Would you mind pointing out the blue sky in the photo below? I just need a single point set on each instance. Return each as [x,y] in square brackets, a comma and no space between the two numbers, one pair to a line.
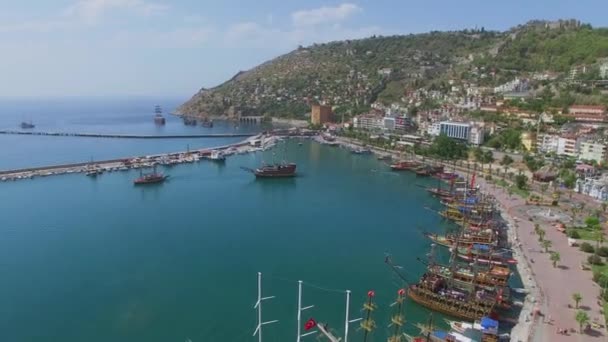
[172,48]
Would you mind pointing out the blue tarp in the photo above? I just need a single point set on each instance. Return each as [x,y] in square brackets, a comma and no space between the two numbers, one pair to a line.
[440,334]
[489,323]
[481,247]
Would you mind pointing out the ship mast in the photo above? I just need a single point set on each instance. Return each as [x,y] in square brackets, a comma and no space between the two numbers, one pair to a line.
[368,324]
[258,306]
[397,320]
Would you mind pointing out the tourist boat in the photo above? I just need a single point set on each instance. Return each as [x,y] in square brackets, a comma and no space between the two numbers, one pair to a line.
[276,170]
[423,171]
[206,122]
[94,172]
[449,240]
[27,125]
[150,178]
[189,121]
[435,293]
[217,156]
[484,255]
[446,175]
[159,119]
[361,151]
[487,277]
[405,165]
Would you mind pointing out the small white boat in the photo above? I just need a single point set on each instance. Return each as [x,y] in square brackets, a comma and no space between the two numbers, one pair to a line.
[217,156]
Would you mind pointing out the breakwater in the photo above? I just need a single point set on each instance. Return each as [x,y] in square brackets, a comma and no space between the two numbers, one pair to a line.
[129,136]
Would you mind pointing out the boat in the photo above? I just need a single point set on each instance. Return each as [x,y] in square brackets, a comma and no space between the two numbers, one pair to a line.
[150,178]
[361,151]
[276,170]
[217,156]
[449,240]
[159,119]
[188,121]
[94,172]
[405,165]
[27,125]
[206,122]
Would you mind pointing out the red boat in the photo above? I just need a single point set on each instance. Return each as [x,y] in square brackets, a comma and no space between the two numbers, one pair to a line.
[150,178]
[405,165]
[276,170]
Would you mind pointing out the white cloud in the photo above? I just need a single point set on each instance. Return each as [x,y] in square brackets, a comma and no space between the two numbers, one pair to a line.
[90,11]
[324,15]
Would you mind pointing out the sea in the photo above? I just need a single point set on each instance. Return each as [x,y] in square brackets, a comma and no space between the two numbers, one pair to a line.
[87,259]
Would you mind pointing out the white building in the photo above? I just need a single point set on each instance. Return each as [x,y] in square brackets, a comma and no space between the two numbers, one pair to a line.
[477,134]
[604,70]
[369,122]
[546,143]
[434,129]
[596,188]
[567,146]
[592,151]
[456,130]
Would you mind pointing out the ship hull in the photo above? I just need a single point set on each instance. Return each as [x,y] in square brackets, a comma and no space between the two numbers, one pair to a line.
[276,171]
[448,306]
[149,181]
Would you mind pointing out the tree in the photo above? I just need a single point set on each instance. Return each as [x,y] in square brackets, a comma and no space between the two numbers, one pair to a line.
[555,258]
[510,192]
[582,319]
[592,222]
[543,188]
[541,235]
[546,244]
[488,158]
[577,297]
[521,181]
[536,228]
[598,236]
[604,206]
[506,160]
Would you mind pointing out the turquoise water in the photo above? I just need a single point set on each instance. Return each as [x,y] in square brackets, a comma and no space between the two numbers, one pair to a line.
[101,260]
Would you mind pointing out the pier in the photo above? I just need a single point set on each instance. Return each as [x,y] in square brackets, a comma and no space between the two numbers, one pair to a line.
[129,136]
[127,163]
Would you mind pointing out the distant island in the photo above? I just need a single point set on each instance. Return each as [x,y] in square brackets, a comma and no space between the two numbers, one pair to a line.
[352,75]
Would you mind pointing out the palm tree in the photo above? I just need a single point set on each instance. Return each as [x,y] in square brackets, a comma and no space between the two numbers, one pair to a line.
[536,228]
[598,236]
[582,318]
[510,192]
[543,188]
[546,244]
[555,258]
[576,297]
[541,234]
[604,206]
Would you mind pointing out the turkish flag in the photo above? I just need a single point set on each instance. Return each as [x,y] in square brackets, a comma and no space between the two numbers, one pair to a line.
[310,324]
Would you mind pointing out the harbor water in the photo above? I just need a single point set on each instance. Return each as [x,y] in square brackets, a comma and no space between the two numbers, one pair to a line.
[97,259]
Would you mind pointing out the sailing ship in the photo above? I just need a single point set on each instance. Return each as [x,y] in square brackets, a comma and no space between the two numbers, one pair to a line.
[150,178]
[159,119]
[188,121]
[206,122]
[276,170]
[27,125]
[405,165]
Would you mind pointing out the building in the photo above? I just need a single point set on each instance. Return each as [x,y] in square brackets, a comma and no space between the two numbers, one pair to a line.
[596,188]
[320,114]
[587,113]
[604,70]
[547,143]
[434,129]
[477,135]
[528,140]
[456,130]
[567,146]
[369,122]
[593,151]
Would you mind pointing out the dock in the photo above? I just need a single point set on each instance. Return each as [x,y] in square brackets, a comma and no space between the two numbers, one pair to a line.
[128,163]
[128,136]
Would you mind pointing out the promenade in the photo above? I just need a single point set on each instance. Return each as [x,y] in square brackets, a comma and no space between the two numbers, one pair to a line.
[552,288]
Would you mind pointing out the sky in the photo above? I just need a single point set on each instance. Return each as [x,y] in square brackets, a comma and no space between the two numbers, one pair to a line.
[62,48]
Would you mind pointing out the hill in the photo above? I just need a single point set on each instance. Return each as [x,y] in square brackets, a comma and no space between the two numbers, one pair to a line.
[352,74]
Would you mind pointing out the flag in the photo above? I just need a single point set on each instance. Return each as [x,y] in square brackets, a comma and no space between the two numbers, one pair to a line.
[371,293]
[310,324]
